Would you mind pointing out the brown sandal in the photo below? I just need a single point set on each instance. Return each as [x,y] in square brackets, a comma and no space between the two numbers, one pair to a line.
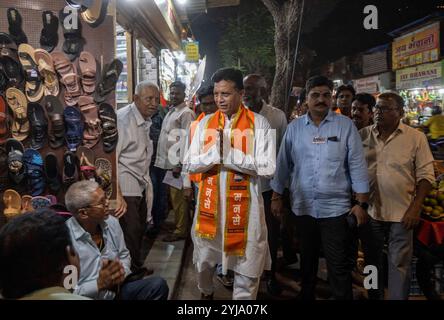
[92,130]
[19,106]
[68,77]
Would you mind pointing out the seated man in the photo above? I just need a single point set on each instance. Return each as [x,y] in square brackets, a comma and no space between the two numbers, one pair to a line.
[104,259]
[35,248]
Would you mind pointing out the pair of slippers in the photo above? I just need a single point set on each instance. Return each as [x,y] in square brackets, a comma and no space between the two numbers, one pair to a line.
[40,74]
[70,78]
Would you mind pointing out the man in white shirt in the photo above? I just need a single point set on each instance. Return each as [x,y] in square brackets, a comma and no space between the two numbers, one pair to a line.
[232,148]
[255,88]
[134,151]
[170,151]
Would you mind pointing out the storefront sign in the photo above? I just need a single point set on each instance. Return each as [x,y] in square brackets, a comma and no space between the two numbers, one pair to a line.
[423,76]
[192,51]
[417,47]
[368,85]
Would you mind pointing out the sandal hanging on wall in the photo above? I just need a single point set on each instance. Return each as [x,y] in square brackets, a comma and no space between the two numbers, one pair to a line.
[15,22]
[49,36]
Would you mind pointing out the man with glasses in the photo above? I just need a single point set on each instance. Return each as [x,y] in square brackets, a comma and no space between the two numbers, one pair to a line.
[104,259]
[400,168]
[322,160]
[134,152]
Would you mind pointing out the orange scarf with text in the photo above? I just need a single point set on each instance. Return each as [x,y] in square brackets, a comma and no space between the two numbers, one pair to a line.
[195,177]
[237,187]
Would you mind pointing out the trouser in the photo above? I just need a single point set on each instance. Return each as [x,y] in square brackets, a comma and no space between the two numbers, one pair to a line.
[181,214]
[273,228]
[152,288]
[133,225]
[334,236]
[399,256]
[160,200]
[244,288]
[427,258]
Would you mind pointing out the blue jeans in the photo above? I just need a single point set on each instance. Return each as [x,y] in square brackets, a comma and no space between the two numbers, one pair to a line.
[160,195]
[152,288]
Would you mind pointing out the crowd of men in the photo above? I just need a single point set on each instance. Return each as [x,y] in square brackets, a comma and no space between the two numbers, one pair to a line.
[346,171]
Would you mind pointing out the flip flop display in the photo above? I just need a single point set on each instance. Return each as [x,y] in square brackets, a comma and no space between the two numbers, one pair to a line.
[34,171]
[39,125]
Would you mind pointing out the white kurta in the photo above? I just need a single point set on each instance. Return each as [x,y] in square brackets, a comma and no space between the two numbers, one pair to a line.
[262,164]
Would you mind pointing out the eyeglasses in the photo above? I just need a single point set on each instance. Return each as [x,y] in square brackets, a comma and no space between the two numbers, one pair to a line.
[101,205]
[384,109]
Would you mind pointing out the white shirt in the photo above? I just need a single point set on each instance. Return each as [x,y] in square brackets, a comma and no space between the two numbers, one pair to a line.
[278,121]
[134,151]
[179,117]
[395,167]
[261,164]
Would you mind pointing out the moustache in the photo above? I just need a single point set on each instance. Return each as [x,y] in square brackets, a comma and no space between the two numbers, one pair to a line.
[321,104]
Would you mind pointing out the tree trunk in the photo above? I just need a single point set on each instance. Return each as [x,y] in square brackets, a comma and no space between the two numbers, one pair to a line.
[286,16]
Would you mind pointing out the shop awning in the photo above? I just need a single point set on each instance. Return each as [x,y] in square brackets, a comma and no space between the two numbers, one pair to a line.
[155,23]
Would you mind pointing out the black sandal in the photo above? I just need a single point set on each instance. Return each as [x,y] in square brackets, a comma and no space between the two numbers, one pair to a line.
[15,26]
[108,81]
[49,37]
[74,42]
[108,119]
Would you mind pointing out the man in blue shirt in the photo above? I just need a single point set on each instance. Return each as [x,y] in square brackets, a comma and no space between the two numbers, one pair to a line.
[322,161]
[104,258]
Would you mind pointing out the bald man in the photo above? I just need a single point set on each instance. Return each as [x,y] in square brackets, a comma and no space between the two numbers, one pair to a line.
[255,88]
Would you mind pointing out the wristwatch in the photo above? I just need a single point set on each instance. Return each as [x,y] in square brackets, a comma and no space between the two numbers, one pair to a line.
[363,205]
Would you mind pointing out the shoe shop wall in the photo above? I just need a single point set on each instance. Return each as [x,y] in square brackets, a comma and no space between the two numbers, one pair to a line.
[99,41]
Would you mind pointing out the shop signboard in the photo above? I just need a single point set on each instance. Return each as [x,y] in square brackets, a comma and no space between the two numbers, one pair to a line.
[420,46]
[423,76]
[192,51]
[368,85]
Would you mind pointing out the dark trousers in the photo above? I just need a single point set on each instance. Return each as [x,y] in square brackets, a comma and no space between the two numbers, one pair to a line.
[133,225]
[160,196]
[334,236]
[152,288]
[273,227]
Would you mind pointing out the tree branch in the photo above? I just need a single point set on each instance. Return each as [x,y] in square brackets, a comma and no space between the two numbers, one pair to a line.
[272,6]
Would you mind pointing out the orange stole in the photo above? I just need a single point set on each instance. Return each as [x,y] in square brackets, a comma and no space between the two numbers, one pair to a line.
[238,187]
[195,177]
